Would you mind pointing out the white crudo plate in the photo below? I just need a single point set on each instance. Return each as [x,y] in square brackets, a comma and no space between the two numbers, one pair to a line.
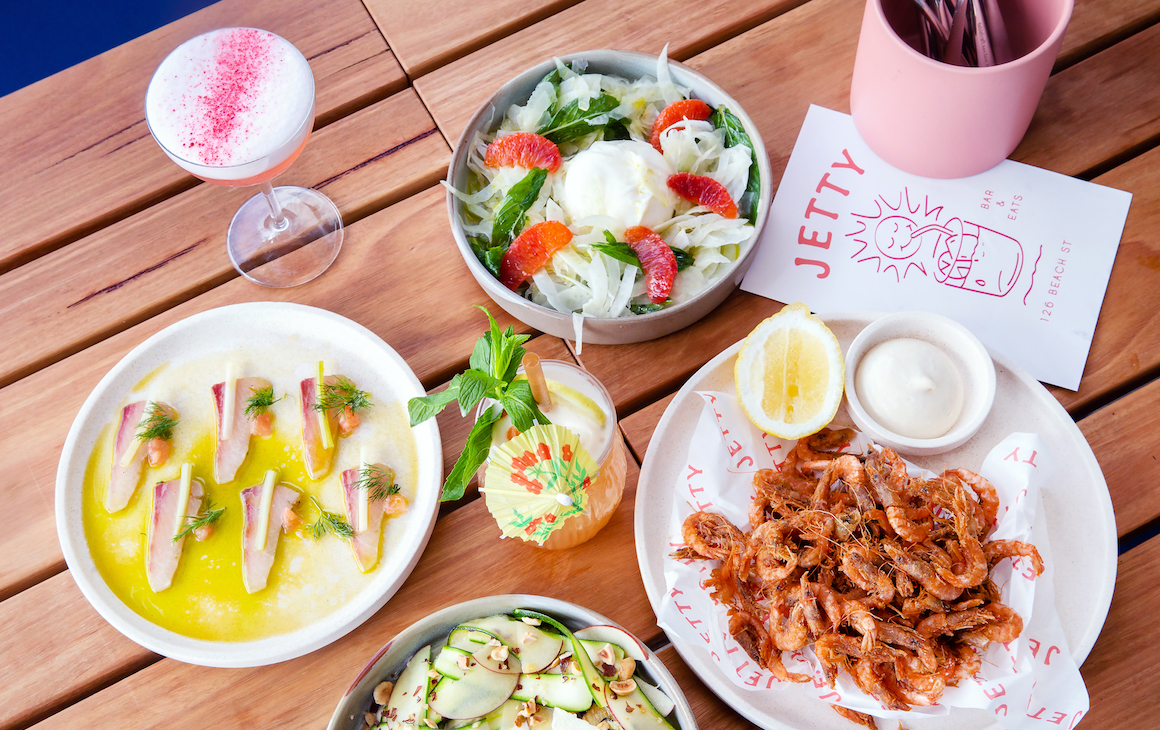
[363,356]
[1077,511]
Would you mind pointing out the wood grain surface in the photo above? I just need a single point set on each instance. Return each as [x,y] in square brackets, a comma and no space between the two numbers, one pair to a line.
[105,282]
[1120,435]
[1123,671]
[453,92]
[302,693]
[1126,347]
[441,31]
[68,168]
[1097,24]
[77,651]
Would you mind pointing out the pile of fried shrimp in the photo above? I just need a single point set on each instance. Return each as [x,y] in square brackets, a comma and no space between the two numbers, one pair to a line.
[887,576]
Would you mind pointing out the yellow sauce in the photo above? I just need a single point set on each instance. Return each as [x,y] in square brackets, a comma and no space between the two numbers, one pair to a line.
[207,599]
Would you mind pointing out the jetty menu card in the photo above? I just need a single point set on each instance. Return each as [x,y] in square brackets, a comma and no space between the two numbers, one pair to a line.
[1019,255]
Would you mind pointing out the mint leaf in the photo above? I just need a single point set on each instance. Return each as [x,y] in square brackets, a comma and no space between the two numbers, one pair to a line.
[521,405]
[473,456]
[616,129]
[420,409]
[474,386]
[481,355]
[650,307]
[619,251]
[572,122]
[735,134]
[623,252]
[511,216]
[488,255]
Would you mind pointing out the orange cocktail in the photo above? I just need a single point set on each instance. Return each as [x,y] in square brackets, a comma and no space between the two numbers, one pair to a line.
[582,405]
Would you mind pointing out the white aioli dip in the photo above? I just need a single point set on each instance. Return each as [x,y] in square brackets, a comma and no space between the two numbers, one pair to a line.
[910,387]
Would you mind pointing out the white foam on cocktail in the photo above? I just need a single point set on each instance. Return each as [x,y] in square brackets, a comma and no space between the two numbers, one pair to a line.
[233,100]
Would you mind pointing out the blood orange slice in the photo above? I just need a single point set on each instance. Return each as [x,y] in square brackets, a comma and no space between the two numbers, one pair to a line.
[704,191]
[657,260]
[675,112]
[531,250]
[523,149]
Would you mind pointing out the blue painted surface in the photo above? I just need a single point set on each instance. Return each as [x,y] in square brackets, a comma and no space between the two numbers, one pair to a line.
[41,37]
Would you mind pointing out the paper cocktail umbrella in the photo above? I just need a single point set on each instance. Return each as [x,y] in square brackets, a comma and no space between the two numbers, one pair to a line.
[538,480]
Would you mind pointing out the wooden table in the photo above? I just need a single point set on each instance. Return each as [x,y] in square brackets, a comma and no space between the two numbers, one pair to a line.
[104,241]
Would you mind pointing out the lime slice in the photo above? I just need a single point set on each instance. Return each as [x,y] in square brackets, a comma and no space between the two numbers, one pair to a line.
[574,398]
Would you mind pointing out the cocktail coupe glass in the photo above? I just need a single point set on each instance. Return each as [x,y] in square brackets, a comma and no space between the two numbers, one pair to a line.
[235,107]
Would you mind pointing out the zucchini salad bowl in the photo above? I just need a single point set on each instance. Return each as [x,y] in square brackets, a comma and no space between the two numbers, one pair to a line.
[609,196]
[514,661]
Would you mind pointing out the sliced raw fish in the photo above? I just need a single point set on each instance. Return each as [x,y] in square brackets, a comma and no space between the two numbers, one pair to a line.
[316,456]
[163,552]
[229,454]
[123,480]
[365,542]
[256,563]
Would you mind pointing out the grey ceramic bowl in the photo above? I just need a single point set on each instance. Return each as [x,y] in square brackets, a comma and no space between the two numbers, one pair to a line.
[391,659]
[600,331]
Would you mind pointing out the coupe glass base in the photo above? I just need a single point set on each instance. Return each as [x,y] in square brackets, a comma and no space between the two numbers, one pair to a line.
[301,249]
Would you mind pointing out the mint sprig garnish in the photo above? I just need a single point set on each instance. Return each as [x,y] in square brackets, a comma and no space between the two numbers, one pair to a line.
[493,366]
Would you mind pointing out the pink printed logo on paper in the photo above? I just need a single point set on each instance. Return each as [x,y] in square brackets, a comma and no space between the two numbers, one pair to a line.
[907,237]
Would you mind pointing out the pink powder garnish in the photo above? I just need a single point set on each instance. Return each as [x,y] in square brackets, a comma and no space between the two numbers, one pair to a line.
[233,82]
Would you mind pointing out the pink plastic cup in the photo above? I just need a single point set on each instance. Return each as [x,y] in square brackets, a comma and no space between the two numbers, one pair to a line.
[938,120]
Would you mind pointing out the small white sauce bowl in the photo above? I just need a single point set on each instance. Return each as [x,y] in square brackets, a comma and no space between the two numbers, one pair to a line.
[965,350]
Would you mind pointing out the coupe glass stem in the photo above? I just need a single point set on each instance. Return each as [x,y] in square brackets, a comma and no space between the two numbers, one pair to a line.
[277,219]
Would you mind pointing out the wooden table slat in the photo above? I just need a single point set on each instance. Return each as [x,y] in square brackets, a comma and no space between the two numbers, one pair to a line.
[435,33]
[465,559]
[1126,346]
[405,253]
[1122,673]
[68,168]
[76,651]
[1096,24]
[95,287]
[453,92]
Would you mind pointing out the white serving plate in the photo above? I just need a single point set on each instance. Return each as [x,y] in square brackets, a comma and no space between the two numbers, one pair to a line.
[364,357]
[1077,510]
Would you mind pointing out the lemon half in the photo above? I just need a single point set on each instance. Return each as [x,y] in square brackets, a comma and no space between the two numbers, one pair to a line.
[790,374]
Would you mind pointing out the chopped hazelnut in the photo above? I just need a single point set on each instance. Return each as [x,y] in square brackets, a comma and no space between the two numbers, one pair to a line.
[499,653]
[530,621]
[370,719]
[383,692]
[622,686]
[606,654]
[627,668]
[528,638]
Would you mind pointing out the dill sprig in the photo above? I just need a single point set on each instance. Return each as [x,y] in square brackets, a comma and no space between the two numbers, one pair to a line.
[380,481]
[158,423]
[341,395]
[260,401]
[328,522]
[206,516]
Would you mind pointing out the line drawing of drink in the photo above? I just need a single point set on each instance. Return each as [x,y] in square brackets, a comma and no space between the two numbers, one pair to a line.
[235,107]
[958,253]
[976,258]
